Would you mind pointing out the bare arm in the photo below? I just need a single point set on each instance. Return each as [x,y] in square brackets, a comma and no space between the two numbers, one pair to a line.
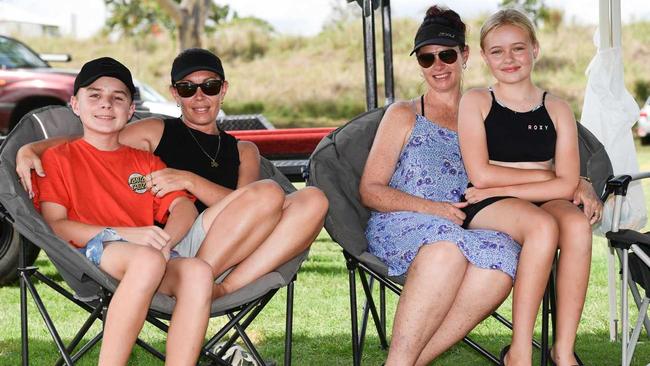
[249,163]
[392,134]
[206,191]
[28,158]
[567,162]
[143,135]
[474,106]
[182,214]
[78,234]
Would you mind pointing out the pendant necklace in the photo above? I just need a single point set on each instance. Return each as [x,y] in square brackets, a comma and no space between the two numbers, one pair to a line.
[213,160]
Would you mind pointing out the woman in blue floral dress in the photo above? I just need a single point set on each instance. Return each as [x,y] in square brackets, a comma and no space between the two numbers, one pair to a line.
[413,182]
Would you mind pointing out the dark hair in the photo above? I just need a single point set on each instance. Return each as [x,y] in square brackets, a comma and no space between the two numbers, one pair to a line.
[446,17]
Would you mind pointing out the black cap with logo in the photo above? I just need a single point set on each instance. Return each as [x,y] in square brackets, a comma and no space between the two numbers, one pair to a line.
[195,59]
[103,66]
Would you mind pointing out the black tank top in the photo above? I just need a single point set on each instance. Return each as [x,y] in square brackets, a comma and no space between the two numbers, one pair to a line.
[519,136]
[179,150]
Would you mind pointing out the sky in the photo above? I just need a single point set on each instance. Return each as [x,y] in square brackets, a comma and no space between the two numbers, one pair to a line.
[306,17]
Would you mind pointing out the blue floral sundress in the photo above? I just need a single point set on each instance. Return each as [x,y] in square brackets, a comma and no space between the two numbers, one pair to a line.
[430,166]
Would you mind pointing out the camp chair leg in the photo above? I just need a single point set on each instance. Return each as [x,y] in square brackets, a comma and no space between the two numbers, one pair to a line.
[356,356]
[364,317]
[624,311]
[545,315]
[24,336]
[96,313]
[382,308]
[288,330]
[639,301]
[553,303]
[643,309]
[147,347]
[250,311]
[476,347]
[611,286]
[46,318]
[373,309]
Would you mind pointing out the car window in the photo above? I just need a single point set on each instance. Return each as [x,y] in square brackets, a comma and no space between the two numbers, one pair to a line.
[16,55]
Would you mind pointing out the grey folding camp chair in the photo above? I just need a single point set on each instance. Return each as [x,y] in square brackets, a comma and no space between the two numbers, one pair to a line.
[336,167]
[633,250]
[92,287]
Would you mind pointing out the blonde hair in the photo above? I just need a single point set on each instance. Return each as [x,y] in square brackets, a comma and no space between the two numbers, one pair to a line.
[508,17]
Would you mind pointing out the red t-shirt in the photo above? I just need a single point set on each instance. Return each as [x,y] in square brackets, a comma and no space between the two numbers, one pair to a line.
[102,187]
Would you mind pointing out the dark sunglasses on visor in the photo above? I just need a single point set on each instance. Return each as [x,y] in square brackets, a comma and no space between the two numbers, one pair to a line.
[447,56]
[187,89]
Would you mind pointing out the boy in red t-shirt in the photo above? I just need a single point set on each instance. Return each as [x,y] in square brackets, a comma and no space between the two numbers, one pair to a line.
[95,197]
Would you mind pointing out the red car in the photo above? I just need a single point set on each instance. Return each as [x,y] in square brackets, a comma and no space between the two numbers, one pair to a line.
[28,82]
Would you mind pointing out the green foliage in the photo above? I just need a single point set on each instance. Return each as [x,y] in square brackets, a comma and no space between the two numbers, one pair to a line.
[136,17]
[139,17]
[533,8]
[641,90]
[242,38]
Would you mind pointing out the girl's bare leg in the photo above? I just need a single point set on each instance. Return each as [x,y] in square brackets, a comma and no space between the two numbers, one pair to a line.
[537,232]
[140,269]
[302,219]
[480,293]
[572,275]
[432,282]
[189,280]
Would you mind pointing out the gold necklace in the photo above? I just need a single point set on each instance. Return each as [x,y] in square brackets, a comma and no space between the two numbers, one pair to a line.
[213,161]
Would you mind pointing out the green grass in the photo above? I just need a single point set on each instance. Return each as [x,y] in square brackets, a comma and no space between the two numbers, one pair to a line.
[321,318]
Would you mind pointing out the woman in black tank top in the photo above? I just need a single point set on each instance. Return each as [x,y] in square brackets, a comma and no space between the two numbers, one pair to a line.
[520,147]
[255,226]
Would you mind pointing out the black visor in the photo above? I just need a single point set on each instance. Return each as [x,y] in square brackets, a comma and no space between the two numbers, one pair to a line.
[433,33]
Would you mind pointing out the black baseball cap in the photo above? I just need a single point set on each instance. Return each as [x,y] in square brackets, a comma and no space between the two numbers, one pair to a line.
[103,66]
[436,33]
[195,59]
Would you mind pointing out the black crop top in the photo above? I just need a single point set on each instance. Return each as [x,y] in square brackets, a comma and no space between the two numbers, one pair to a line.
[180,151]
[519,136]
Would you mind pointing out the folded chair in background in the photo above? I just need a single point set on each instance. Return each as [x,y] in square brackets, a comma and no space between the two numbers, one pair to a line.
[92,287]
[336,167]
[633,250]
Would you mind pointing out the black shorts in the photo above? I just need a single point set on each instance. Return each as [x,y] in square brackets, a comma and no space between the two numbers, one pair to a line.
[471,210]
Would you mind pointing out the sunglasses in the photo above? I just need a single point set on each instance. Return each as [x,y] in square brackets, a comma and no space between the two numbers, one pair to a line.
[187,89]
[447,56]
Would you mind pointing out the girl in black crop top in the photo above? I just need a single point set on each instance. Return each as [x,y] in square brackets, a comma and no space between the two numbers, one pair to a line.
[520,147]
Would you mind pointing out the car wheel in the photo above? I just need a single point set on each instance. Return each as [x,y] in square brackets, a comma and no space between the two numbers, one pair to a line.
[10,241]
[645,140]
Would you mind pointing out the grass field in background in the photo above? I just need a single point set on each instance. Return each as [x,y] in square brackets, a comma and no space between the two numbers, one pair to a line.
[321,318]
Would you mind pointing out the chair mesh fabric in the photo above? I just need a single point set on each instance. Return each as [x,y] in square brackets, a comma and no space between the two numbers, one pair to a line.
[81,275]
[594,162]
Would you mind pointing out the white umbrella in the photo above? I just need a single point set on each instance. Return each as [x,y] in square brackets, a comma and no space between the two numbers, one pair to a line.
[609,111]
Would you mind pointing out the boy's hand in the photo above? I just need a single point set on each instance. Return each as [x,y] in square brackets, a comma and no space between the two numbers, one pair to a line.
[152,236]
[26,160]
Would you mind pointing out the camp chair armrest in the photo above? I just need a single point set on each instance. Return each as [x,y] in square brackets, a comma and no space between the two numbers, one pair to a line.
[623,238]
[618,184]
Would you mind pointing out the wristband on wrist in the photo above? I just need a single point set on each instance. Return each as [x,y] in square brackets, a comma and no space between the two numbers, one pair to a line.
[585,178]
